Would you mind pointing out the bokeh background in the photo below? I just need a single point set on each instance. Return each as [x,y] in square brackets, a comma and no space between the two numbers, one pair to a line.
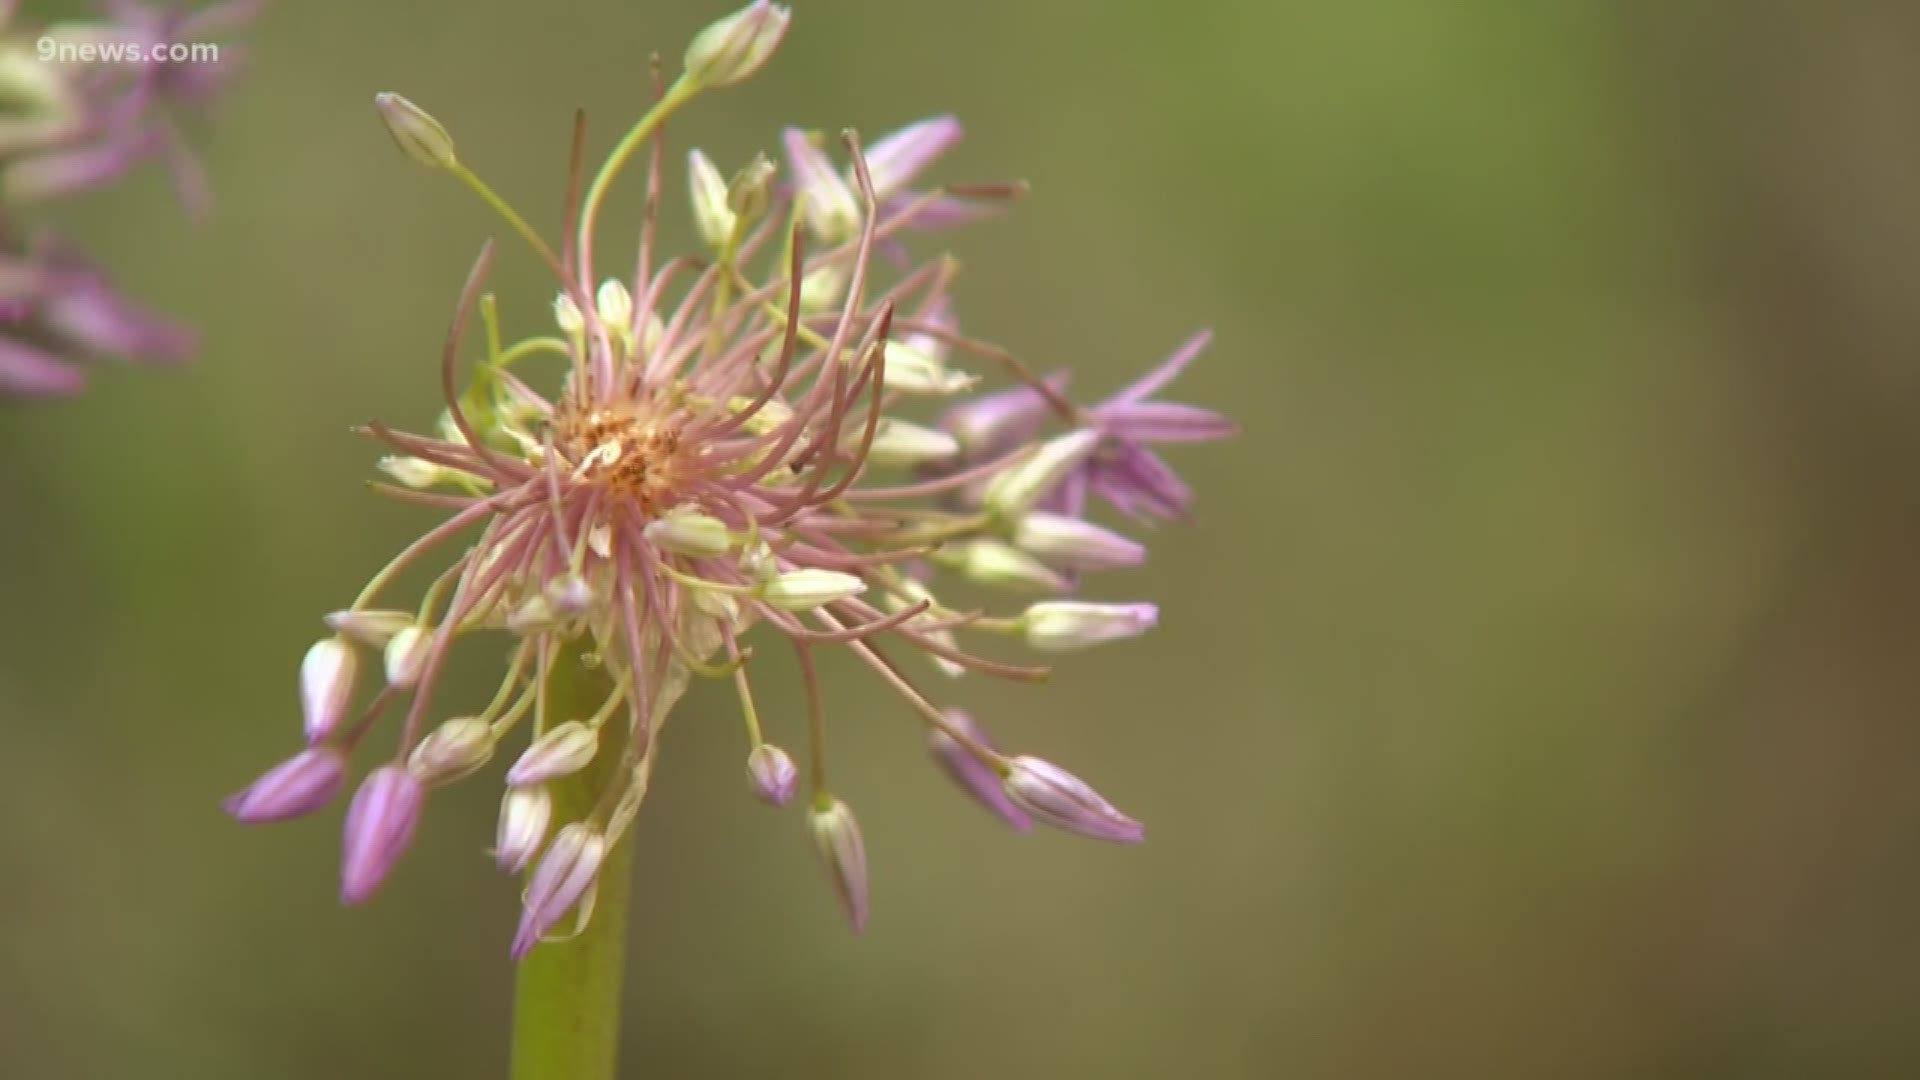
[1537,689]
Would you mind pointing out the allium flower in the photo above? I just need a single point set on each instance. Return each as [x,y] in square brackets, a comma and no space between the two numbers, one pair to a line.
[725,460]
[81,104]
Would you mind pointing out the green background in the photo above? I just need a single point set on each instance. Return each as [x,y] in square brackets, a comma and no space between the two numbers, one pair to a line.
[1536,691]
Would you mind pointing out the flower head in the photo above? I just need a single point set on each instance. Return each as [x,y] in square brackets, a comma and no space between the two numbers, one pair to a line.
[721,462]
[87,102]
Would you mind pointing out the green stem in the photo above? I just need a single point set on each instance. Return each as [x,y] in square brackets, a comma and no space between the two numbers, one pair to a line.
[566,1001]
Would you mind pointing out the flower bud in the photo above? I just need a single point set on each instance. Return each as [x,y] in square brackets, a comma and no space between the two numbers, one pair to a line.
[566,315]
[615,306]
[370,626]
[564,749]
[913,371]
[1003,566]
[1014,491]
[413,472]
[822,288]
[895,159]
[772,775]
[525,813]
[326,685]
[451,751]
[804,590]
[750,190]
[975,777]
[711,215]
[836,839]
[992,424]
[1058,798]
[406,656]
[418,135]
[1074,544]
[735,47]
[380,823]
[897,442]
[569,595]
[299,785]
[688,532]
[1065,625]
[831,208]
[564,879]
[758,562]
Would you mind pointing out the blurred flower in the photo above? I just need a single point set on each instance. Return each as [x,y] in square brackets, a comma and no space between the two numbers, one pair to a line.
[85,102]
[726,454]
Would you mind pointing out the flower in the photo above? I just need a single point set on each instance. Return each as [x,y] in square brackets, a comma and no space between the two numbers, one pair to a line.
[723,465]
[72,126]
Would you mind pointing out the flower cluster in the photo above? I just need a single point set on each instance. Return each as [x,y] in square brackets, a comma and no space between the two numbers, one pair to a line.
[69,125]
[724,452]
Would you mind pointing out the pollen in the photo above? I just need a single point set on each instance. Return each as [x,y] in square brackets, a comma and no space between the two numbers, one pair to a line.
[628,454]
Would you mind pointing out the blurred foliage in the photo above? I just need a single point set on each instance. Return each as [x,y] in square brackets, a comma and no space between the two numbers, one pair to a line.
[1536,690]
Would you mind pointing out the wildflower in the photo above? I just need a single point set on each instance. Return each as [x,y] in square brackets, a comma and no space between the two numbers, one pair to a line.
[727,461]
[72,127]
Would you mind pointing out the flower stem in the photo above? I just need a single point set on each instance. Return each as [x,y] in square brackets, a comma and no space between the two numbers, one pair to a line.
[566,1001]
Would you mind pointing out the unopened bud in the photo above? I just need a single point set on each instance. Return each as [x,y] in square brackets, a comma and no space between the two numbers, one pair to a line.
[299,785]
[772,775]
[836,839]
[569,595]
[758,561]
[370,626]
[1014,491]
[525,813]
[615,305]
[326,685]
[566,315]
[804,590]
[975,777]
[711,215]
[913,371]
[992,424]
[822,288]
[1003,566]
[406,656]
[1074,544]
[380,824]
[688,532]
[735,47]
[451,751]
[413,472]
[893,161]
[563,881]
[750,190]
[898,442]
[418,135]
[564,749]
[1065,625]
[1058,798]
[831,208]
